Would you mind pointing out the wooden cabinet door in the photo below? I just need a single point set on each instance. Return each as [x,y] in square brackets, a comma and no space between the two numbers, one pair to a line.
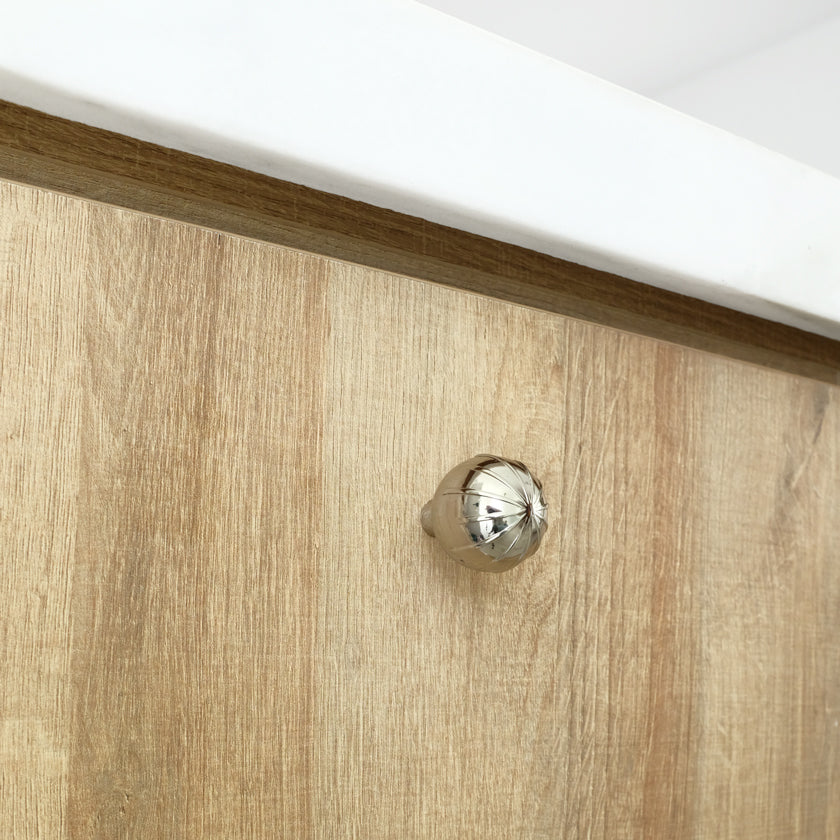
[221,618]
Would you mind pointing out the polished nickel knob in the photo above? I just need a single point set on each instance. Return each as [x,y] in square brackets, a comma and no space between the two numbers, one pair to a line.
[488,513]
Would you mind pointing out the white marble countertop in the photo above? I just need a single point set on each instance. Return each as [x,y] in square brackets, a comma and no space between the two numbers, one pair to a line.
[393,103]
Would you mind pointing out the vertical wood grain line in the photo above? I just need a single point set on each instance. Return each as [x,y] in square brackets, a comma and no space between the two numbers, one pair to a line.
[42,256]
[768,684]
[669,781]
[193,638]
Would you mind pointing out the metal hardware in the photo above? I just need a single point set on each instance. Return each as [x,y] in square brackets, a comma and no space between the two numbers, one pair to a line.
[488,513]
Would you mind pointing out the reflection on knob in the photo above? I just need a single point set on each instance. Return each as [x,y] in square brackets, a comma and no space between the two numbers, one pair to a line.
[488,513]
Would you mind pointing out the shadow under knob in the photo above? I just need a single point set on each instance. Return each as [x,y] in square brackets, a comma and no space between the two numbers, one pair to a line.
[488,513]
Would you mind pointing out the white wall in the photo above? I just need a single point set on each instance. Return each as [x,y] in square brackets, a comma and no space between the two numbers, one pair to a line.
[644,45]
[767,70]
[786,97]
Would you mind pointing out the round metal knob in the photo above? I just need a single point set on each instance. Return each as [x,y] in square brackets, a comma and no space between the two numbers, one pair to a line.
[488,513]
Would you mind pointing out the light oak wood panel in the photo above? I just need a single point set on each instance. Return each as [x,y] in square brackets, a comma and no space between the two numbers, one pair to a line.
[192,652]
[41,309]
[222,619]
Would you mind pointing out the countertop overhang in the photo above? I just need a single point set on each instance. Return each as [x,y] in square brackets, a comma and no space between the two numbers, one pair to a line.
[398,105]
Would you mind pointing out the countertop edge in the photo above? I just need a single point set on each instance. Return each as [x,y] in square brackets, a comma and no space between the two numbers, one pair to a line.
[405,108]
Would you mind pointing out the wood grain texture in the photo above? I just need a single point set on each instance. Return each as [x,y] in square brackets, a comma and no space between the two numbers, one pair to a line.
[58,154]
[41,306]
[220,617]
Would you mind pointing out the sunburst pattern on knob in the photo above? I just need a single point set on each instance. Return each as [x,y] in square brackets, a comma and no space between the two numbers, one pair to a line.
[488,513]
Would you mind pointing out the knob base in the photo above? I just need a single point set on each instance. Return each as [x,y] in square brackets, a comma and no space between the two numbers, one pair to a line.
[426,519]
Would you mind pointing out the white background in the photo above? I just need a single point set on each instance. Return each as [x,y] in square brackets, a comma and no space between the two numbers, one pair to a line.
[768,70]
